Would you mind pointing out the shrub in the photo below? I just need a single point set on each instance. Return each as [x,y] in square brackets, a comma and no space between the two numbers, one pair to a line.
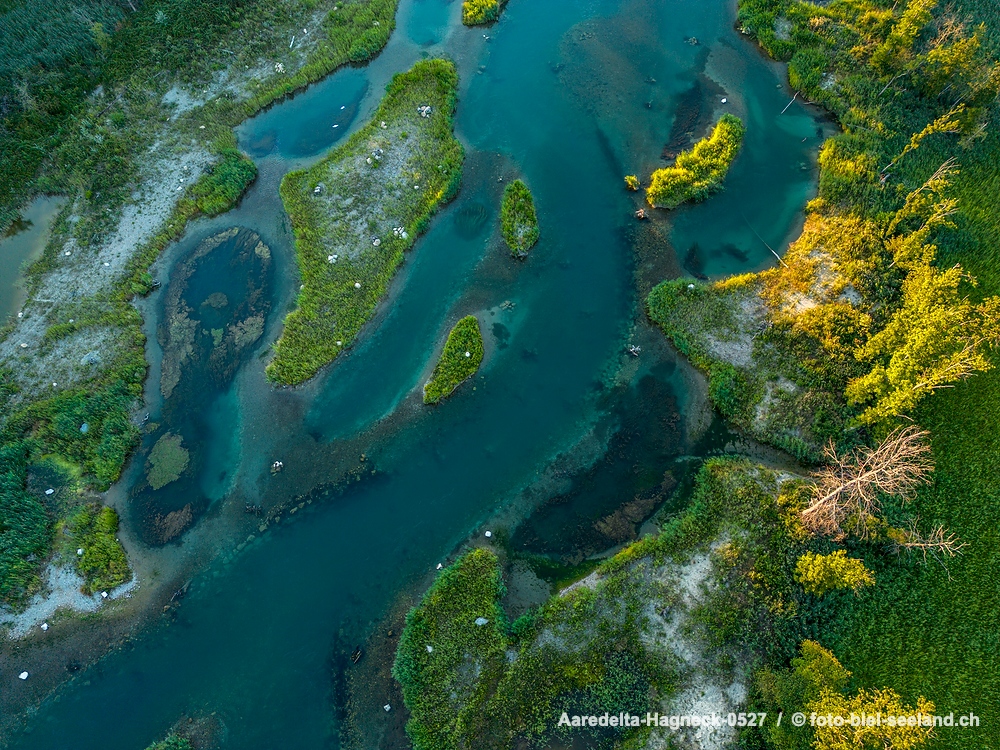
[461,357]
[819,574]
[476,12]
[632,182]
[218,191]
[442,651]
[700,171]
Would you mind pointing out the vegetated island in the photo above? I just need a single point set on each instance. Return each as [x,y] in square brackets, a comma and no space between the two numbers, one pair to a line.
[699,172]
[478,12]
[460,359]
[357,211]
[518,222]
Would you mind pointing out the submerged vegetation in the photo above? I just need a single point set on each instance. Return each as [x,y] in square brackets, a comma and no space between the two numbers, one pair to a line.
[476,12]
[518,222]
[699,172]
[460,359]
[356,212]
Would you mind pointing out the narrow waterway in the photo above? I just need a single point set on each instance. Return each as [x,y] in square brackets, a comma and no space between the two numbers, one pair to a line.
[570,96]
[20,246]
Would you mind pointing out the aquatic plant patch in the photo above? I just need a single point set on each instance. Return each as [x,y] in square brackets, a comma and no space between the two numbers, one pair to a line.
[460,359]
[355,213]
[518,222]
[167,461]
[698,172]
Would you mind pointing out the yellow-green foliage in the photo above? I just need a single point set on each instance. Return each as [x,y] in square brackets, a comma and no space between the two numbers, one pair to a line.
[518,222]
[885,703]
[418,169]
[167,460]
[819,574]
[815,684]
[700,171]
[461,357]
[94,528]
[632,182]
[475,12]
[935,338]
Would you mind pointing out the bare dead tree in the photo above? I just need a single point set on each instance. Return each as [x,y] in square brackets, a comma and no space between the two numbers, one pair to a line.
[850,487]
[938,543]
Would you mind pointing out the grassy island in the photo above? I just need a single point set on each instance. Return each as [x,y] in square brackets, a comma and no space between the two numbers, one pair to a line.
[698,172]
[477,12]
[518,222]
[462,355]
[356,212]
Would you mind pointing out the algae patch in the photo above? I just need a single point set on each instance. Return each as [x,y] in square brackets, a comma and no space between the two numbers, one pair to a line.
[167,461]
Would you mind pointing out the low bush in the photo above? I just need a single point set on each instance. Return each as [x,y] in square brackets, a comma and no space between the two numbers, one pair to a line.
[94,528]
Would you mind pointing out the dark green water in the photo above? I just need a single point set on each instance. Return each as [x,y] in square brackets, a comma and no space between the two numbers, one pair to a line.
[558,94]
[23,243]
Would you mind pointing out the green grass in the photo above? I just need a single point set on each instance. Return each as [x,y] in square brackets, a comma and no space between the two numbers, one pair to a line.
[445,688]
[476,12]
[518,222]
[460,359]
[698,173]
[347,237]
[93,529]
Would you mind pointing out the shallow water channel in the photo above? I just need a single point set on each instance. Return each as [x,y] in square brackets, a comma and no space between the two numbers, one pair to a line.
[569,94]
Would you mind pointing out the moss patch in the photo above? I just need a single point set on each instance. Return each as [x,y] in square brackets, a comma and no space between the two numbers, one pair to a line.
[461,357]
[356,212]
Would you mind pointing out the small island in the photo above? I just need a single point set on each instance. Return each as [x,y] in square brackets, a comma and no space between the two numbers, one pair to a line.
[518,222]
[358,210]
[478,12]
[699,172]
[462,355]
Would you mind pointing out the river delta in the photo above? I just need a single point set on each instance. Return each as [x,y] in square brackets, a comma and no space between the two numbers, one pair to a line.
[279,574]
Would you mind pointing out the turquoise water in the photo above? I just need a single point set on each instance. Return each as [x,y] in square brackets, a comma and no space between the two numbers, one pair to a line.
[557,95]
